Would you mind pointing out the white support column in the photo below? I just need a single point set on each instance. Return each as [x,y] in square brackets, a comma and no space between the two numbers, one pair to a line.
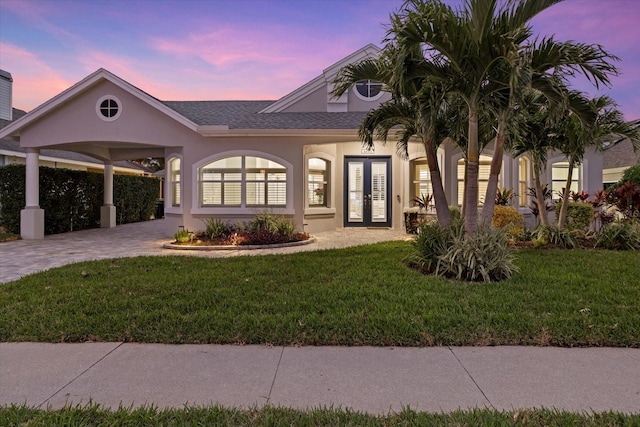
[108,210]
[32,217]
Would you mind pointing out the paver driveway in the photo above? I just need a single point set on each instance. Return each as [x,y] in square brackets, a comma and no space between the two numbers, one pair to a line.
[22,257]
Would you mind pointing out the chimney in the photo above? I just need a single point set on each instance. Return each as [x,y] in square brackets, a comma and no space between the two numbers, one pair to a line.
[6,94]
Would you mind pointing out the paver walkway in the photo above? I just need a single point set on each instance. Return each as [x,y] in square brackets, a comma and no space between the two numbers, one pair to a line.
[23,257]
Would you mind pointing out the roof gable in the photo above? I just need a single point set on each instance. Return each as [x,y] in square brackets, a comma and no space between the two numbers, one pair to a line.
[13,129]
[325,79]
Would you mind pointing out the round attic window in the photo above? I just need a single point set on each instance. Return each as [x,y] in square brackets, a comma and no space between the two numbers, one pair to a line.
[368,90]
[108,108]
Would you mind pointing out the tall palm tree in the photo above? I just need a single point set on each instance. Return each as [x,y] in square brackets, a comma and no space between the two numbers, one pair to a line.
[476,52]
[545,67]
[534,135]
[578,135]
[415,110]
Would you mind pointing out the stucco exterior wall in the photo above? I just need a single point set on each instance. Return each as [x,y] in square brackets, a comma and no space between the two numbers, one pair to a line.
[78,122]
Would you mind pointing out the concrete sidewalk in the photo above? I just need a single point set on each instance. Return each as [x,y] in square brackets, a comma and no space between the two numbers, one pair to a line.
[374,380]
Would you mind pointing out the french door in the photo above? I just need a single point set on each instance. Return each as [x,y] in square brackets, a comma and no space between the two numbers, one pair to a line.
[367,187]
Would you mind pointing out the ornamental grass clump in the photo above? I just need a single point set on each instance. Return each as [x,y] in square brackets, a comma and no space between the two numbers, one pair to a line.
[619,235]
[557,236]
[216,228]
[482,257]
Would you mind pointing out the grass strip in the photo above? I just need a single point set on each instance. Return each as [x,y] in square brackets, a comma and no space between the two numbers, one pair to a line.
[355,296]
[92,414]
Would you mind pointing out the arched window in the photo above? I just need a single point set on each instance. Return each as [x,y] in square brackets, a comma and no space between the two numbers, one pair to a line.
[368,90]
[174,181]
[523,182]
[243,181]
[318,171]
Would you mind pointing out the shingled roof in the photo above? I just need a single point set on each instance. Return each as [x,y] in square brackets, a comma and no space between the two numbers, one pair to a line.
[246,115]
[620,155]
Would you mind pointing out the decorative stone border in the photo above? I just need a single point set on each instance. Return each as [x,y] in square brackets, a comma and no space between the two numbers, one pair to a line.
[170,245]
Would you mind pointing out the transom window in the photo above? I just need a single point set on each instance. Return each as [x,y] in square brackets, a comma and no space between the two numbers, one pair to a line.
[368,89]
[317,182]
[243,181]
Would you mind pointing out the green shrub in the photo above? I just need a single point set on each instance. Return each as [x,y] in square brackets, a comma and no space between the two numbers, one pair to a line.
[285,226]
[632,174]
[510,220]
[619,235]
[71,199]
[216,228]
[555,235]
[182,235]
[580,215]
[483,257]
[264,221]
[431,242]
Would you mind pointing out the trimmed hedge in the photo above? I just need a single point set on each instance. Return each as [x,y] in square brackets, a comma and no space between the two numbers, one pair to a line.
[72,199]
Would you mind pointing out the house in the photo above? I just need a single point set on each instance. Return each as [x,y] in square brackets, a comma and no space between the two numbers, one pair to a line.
[616,159]
[299,156]
[12,153]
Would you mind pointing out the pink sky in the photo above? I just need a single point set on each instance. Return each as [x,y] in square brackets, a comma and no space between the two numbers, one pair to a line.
[247,49]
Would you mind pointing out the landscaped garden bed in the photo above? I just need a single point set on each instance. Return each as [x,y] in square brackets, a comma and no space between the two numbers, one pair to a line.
[266,229]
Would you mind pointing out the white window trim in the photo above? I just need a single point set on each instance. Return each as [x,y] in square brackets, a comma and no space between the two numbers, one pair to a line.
[244,210]
[168,188]
[104,98]
[564,159]
[331,204]
[364,98]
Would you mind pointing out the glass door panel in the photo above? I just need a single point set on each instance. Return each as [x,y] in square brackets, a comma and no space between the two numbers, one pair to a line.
[378,191]
[356,191]
[367,187]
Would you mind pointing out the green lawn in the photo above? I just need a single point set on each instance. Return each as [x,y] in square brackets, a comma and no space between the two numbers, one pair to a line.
[269,416]
[357,296]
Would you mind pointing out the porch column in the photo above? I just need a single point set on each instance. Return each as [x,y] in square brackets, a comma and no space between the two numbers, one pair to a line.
[108,211]
[32,217]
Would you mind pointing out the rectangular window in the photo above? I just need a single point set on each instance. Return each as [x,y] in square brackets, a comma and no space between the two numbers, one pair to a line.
[317,182]
[221,187]
[484,171]
[420,179]
[559,175]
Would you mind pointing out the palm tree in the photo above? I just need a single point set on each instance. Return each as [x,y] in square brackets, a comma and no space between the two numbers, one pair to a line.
[482,52]
[578,135]
[415,110]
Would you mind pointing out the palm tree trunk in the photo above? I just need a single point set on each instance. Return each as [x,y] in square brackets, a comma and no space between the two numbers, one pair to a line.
[540,201]
[492,185]
[473,160]
[562,216]
[439,196]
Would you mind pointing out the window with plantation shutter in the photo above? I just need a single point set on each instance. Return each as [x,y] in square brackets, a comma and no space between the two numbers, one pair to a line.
[484,170]
[243,181]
